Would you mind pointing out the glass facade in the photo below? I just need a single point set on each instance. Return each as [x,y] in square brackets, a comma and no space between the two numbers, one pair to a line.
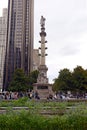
[20,33]
[3,28]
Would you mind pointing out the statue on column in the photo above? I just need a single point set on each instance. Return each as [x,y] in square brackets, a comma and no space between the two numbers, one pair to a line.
[42,21]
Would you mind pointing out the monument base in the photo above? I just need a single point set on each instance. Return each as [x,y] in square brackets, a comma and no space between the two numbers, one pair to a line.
[44,90]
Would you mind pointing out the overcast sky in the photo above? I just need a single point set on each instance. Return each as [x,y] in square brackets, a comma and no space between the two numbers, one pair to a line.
[66,27]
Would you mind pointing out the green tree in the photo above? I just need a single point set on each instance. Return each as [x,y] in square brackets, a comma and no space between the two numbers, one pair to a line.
[64,81]
[22,82]
[32,78]
[80,79]
[75,81]
[19,81]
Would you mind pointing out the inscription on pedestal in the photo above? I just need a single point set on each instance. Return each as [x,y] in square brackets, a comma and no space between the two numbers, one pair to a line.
[42,87]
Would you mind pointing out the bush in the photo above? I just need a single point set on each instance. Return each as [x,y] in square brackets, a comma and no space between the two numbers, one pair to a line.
[27,121]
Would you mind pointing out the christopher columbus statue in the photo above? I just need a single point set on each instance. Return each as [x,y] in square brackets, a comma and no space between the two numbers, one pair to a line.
[42,21]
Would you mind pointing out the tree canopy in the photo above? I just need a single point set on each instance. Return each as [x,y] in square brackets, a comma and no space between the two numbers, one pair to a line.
[63,82]
[22,82]
[71,81]
[32,78]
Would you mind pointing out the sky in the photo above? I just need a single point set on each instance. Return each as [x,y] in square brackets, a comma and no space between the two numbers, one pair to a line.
[66,28]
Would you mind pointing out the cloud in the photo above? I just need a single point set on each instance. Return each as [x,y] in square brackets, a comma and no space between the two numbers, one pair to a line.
[68,50]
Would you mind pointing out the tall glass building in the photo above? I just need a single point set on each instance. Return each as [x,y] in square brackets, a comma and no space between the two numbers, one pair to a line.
[3,28]
[20,35]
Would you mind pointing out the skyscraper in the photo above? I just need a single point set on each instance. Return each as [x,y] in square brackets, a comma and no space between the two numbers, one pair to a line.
[20,31]
[3,28]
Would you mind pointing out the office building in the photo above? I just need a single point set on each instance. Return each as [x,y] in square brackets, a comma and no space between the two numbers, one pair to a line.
[20,31]
[3,29]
